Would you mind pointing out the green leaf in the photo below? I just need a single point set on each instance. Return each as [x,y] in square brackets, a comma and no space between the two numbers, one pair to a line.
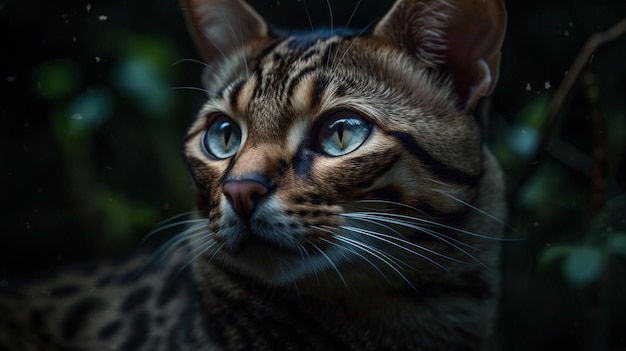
[123,216]
[554,253]
[534,114]
[158,51]
[614,214]
[140,80]
[89,110]
[584,265]
[57,79]
[616,243]
[523,140]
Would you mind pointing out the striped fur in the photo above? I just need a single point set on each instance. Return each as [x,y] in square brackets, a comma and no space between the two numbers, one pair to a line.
[393,245]
[344,197]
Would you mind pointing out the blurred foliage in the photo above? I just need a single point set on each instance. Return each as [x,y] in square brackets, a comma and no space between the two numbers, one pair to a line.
[91,123]
[57,79]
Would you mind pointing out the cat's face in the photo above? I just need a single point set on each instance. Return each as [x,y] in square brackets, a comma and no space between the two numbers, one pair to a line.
[317,153]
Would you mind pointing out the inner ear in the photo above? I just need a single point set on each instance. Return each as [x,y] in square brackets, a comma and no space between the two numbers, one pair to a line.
[220,27]
[461,37]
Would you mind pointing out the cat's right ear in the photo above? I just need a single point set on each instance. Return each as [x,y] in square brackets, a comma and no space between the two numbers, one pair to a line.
[220,27]
[460,37]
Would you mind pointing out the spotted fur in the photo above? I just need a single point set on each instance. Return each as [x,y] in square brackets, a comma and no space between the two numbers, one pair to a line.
[298,244]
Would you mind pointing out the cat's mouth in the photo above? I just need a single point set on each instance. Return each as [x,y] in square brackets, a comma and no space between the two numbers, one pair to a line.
[262,232]
[260,258]
[263,255]
[252,241]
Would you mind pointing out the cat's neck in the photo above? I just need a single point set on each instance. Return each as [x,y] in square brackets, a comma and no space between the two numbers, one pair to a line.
[319,294]
[389,317]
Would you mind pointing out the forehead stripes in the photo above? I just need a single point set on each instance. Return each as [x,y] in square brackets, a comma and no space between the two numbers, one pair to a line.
[287,82]
[280,69]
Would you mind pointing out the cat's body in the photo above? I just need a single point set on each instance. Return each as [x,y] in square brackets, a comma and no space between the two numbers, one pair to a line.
[345,199]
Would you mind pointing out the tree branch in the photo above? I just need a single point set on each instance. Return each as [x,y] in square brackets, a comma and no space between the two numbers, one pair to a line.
[556,102]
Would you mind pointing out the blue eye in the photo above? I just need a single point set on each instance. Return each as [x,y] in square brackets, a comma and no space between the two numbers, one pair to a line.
[343,132]
[222,138]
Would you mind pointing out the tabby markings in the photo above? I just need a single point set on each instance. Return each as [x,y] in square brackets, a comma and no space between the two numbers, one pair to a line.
[319,87]
[135,299]
[77,316]
[110,330]
[65,290]
[440,169]
[140,328]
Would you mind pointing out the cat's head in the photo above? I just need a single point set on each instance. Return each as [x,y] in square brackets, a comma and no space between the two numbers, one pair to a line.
[345,154]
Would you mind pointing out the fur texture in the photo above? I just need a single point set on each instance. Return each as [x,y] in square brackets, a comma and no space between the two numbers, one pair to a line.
[345,200]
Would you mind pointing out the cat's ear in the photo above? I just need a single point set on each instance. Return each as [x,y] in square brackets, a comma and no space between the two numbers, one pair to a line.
[463,37]
[222,26]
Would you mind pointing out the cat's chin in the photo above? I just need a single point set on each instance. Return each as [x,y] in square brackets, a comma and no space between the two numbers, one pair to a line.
[276,265]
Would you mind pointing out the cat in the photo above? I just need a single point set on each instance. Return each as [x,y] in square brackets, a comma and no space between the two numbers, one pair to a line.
[344,198]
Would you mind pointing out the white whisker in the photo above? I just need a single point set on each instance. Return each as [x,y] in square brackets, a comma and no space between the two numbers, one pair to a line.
[177,216]
[339,246]
[422,220]
[207,37]
[211,244]
[162,226]
[408,224]
[356,253]
[441,237]
[206,65]
[404,241]
[384,238]
[352,15]
[479,210]
[243,54]
[187,240]
[383,257]
[173,243]
[308,16]
[330,261]
[421,228]
[336,64]
[330,10]
[215,252]
[208,92]
[238,40]
[332,19]
[372,251]
[397,204]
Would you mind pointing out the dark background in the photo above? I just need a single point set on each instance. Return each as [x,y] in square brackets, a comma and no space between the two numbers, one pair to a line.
[91,123]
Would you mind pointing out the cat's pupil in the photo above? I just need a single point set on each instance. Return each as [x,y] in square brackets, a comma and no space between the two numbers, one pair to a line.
[344,134]
[222,139]
[226,130]
[340,133]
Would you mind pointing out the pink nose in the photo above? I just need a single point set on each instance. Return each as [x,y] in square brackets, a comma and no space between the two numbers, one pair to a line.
[244,195]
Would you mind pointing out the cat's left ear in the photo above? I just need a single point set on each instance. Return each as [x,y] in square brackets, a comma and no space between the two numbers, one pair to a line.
[462,37]
[220,27]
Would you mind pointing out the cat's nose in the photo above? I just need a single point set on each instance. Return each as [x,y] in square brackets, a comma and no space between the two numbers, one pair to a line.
[244,195]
